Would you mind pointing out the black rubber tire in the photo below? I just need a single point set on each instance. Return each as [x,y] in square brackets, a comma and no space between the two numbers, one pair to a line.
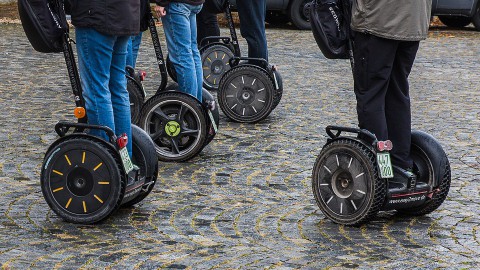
[279,91]
[81,179]
[455,21]
[136,99]
[171,69]
[276,18]
[215,62]
[299,14]
[246,104]
[363,193]
[476,18]
[206,96]
[162,109]
[434,168]
[145,157]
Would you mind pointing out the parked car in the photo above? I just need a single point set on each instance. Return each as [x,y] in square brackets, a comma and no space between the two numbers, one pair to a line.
[454,13]
[284,11]
[457,13]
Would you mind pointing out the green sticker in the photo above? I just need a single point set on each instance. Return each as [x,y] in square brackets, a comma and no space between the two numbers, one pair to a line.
[172,128]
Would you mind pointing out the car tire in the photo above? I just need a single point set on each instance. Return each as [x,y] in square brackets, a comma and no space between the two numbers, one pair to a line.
[299,13]
[476,18]
[275,18]
[455,21]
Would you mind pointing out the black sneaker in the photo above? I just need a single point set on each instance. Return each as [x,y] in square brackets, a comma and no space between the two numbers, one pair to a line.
[133,175]
[403,180]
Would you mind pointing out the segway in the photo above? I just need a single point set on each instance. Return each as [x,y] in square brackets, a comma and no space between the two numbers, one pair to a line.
[352,175]
[179,125]
[85,178]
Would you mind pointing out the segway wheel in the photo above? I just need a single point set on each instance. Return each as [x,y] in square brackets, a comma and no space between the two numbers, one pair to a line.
[433,170]
[136,99]
[279,91]
[346,183]
[176,122]
[81,179]
[215,62]
[145,157]
[171,69]
[246,94]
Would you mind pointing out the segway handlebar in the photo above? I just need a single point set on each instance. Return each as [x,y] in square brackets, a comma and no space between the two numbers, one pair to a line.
[62,128]
[339,130]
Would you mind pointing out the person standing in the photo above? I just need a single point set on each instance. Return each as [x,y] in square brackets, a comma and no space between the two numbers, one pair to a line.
[387,34]
[102,29]
[180,27]
[252,26]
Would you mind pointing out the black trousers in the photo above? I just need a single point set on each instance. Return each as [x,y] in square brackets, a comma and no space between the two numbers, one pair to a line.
[252,26]
[207,25]
[381,74]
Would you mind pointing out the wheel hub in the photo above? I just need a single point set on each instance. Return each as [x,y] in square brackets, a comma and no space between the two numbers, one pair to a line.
[342,184]
[80,181]
[217,67]
[172,128]
[246,96]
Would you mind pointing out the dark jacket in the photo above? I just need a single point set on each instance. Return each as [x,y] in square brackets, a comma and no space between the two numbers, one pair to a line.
[110,17]
[164,3]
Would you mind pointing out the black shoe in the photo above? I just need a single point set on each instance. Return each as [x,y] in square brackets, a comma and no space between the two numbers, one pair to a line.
[402,181]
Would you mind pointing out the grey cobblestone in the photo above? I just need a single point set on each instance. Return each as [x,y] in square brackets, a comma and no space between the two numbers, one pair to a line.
[245,201]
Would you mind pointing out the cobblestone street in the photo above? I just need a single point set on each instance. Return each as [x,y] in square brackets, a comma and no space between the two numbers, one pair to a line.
[246,201]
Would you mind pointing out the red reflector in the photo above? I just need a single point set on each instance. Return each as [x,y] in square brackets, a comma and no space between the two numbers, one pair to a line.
[122,140]
[384,145]
[143,75]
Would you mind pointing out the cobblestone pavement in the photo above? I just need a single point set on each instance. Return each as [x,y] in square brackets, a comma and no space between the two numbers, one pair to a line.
[246,201]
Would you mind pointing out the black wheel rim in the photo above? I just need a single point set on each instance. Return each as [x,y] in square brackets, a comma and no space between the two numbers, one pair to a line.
[174,127]
[215,62]
[305,10]
[343,184]
[80,182]
[246,96]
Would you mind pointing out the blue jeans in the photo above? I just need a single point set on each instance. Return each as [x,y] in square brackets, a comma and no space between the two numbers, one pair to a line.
[132,49]
[252,26]
[101,64]
[180,26]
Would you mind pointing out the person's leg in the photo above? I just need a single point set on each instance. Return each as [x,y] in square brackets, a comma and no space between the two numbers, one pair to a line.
[252,26]
[94,58]
[176,25]
[196,53]
[207,25]
[373,65]
[397,104]
[118,91]
[136,41]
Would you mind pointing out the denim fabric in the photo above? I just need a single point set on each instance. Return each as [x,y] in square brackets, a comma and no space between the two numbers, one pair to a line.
[252,26]
[102,60]
[180,26]
[132,49]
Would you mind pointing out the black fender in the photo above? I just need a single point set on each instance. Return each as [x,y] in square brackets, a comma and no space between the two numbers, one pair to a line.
[434,151]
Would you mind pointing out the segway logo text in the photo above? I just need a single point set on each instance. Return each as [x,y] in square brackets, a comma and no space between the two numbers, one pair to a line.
[408,200]
[335,17]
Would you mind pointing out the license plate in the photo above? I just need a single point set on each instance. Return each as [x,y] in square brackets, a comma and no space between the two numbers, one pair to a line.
[213,121]
[127,162]
[385,165]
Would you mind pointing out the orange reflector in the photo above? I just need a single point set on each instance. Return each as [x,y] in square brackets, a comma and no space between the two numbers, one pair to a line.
[79,112]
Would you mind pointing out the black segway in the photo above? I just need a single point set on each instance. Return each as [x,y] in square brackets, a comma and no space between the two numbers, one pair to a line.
[246,92]
[85,178]
[179,125]
[351,178]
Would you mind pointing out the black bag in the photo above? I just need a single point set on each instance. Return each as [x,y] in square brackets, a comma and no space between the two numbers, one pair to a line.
[44,23]
[330,20]
[215,6]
